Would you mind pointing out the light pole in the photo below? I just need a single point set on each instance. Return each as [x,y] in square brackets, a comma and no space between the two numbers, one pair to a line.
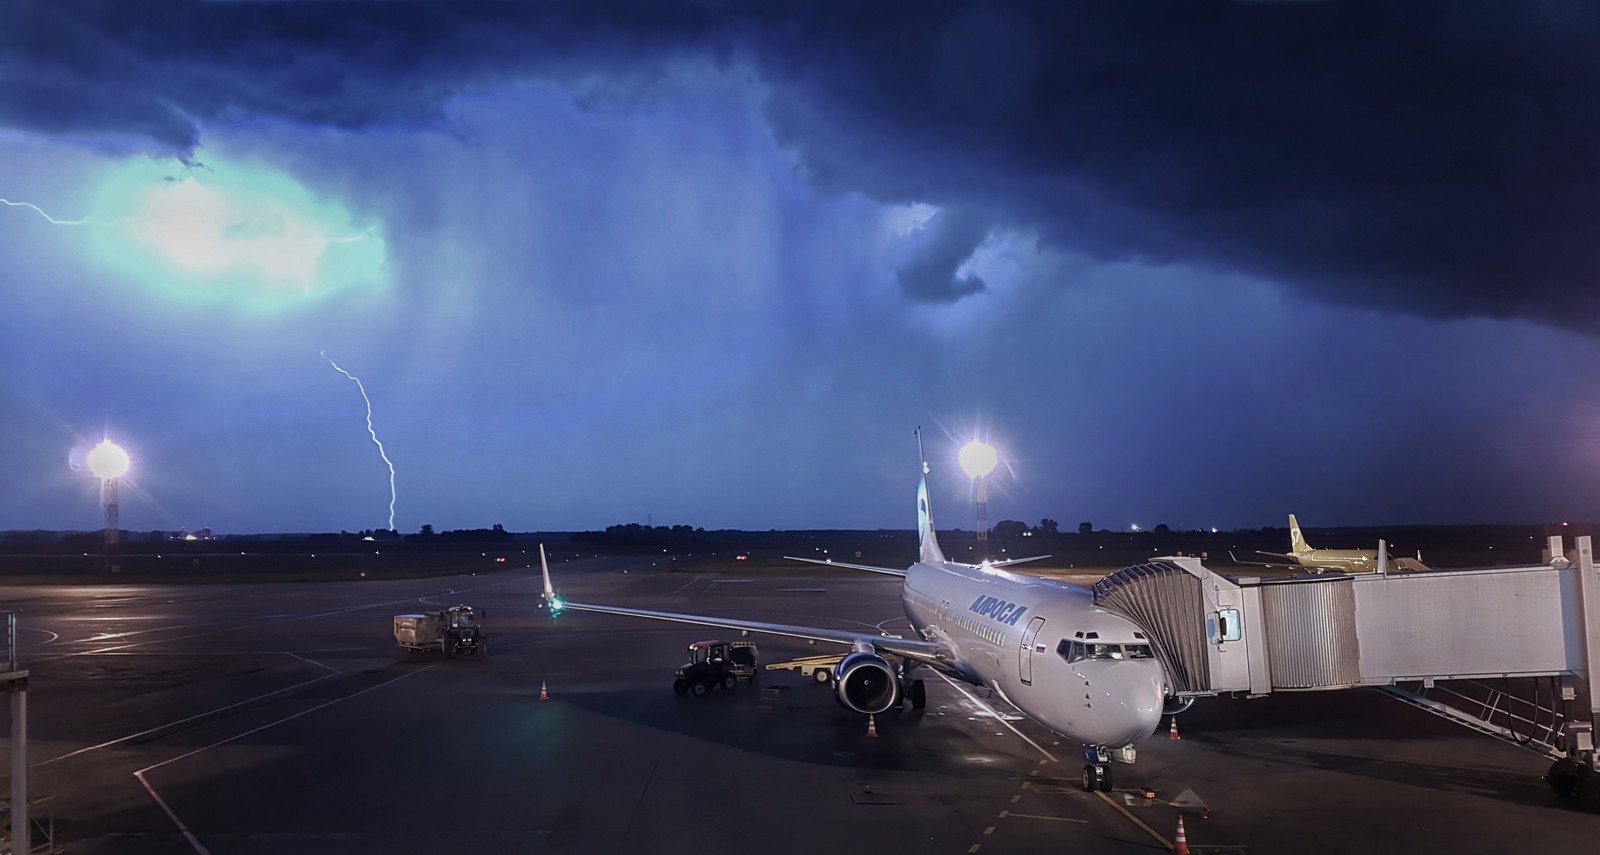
[108,462]
[978,459]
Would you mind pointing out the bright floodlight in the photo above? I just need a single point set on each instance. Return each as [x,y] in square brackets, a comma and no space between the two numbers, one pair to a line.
[978,458]
[107,461]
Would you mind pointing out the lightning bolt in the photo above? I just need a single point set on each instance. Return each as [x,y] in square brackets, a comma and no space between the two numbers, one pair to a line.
[372,432]
[41,212]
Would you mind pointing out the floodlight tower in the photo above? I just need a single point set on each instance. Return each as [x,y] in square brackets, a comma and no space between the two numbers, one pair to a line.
[978,459]
[108,462]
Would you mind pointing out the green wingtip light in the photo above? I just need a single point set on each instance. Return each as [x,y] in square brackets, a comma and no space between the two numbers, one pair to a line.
[556,605]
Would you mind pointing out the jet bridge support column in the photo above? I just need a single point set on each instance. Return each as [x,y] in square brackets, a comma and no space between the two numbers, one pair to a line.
[15,682]
[1578,774]
[1580,734]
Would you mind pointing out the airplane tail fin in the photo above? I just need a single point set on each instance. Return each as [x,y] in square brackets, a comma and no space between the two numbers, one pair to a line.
[550,598]
[927,541]
[1297,541]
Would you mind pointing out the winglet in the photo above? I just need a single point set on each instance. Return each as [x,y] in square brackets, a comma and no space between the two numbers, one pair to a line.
[549,590]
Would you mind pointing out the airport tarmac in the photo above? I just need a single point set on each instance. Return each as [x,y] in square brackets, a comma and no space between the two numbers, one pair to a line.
[282,718]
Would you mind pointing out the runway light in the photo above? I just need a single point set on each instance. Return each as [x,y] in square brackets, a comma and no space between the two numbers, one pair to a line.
[107,460]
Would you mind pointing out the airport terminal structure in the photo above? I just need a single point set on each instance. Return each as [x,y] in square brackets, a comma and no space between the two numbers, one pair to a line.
[1315,632]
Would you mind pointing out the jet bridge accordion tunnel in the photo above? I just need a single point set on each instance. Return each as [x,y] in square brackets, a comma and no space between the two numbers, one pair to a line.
[1251,635]
[1303,630]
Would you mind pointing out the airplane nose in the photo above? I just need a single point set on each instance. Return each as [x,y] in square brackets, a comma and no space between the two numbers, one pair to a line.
[1132,692]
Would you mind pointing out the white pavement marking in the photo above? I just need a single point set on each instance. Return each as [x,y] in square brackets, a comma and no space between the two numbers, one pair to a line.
[193,841]
[54,636]
[188,835]
[997,716]
[148,731]
[688,583]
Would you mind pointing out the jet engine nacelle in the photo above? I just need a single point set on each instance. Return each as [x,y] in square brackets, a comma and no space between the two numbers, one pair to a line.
[1173,706]
[865,682]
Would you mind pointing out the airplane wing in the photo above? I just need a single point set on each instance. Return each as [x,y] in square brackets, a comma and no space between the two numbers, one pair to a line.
[1007,562]
[928,652]
[1287,563]
[893,571]
[829,562]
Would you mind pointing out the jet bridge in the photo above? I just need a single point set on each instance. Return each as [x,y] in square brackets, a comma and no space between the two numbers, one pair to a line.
[1254,635]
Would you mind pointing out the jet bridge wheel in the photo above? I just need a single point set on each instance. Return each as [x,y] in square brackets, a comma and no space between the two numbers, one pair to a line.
[1564,777]
[1589,791]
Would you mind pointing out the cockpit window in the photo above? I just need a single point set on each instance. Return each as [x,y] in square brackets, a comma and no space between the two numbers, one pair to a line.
[1105,651]
[1072,651]
[1077,651]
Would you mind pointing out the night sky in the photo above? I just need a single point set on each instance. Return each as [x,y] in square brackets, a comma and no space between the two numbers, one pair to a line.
[710,263]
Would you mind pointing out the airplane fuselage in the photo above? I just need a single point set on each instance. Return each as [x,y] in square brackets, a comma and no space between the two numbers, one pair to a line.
[1044,646]
[1349,560]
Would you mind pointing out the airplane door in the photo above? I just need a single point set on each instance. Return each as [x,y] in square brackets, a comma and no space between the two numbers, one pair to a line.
[1025,656]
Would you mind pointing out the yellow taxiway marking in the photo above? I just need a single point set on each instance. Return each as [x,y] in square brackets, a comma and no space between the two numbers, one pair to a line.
[1165,843]
[975,847]
[989,830]
[1015,799]
[1006,813]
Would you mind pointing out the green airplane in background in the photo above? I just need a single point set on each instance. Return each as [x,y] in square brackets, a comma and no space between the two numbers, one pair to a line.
[1303,554]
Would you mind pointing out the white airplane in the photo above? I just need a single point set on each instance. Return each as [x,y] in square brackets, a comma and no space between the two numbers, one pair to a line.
[1041,644]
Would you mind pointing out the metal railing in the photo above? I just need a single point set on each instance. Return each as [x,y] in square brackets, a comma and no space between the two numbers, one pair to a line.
[42,818]
[1495,711]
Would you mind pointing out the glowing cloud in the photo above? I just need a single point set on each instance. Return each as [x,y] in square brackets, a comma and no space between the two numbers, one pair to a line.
[233,232]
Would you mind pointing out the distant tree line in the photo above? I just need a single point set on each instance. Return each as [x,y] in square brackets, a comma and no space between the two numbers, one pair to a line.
[634,534]
[461,535]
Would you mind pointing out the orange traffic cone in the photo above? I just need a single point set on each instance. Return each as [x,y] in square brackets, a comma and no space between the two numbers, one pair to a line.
[544,691]
[872,727]
[1180,846]
[1172,732]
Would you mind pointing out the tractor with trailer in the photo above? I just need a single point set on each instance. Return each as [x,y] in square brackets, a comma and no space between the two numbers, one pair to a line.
[457,630]
[716,663]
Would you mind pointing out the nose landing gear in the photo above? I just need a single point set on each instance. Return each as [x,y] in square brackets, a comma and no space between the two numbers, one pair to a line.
[1097,776]
[1097,769]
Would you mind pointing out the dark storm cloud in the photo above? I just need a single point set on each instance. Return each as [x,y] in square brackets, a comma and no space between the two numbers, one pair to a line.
[1441,159]
[931,275]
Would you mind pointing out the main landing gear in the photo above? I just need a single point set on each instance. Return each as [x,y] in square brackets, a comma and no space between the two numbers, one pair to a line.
[916,693]
[911,689]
